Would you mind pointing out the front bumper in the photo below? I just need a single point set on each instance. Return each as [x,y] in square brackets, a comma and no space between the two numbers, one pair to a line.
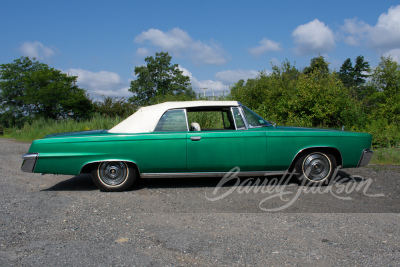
[365,157]
[29,163]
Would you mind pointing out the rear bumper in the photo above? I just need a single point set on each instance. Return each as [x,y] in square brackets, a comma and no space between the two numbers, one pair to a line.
[365,157]
[29,163]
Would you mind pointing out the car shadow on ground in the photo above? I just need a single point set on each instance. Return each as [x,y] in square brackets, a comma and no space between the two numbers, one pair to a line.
[84,182]
[206,182]
[341,177]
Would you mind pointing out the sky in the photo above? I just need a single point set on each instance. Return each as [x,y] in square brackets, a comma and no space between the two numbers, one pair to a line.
[216,43]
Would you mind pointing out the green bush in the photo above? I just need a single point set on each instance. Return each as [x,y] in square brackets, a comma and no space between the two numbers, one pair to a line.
[317,97]
[383,133]
[288,96]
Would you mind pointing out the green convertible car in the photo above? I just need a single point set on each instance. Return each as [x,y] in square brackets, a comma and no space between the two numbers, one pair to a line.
[197,139]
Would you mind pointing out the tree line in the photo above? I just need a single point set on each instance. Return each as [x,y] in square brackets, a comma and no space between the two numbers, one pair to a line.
[356,96]
[30,90]
[359,98]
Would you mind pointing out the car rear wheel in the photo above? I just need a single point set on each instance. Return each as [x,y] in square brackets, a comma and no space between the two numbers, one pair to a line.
[114,176]
[315,168]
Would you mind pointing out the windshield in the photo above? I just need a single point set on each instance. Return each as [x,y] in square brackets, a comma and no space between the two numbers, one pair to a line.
[253,119]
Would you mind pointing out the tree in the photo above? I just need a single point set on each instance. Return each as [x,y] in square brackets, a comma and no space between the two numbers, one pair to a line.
[30,89]
[360,68]
[287,96]
[354,76]
[158,78]
[346,73]
[384,102]
[319,65]
[114,107]
[12,87]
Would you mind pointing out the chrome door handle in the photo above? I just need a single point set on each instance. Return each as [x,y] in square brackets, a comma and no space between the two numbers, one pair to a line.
[195,138]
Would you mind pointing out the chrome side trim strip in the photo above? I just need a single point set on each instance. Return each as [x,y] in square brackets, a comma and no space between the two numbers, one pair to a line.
[365,157]
[29,163]
[207,174]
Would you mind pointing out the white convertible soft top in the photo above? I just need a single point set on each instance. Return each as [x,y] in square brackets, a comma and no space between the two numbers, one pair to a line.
[146,118]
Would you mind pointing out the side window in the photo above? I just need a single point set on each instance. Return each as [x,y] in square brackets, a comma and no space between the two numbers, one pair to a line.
[217,118]
[228,122]
[238,119]
[172,121]
[207,120]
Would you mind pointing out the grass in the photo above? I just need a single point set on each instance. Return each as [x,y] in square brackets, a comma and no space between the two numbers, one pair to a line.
[386,156]
[42,127]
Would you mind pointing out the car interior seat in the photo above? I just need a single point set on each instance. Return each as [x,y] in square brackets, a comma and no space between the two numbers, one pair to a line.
[194,126]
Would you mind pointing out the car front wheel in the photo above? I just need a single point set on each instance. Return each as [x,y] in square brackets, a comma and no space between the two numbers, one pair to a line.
[114,176]
[315,168]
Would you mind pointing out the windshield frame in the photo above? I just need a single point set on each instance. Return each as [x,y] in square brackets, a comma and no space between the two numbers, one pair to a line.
[243,108]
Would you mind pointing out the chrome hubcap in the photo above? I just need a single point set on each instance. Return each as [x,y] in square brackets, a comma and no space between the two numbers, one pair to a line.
[317,167]
[113,173]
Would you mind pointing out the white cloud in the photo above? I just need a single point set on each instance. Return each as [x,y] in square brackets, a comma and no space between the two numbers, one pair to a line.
[384,37]
[313,37]
[179,43]
[142,52]
[265,46]
[356,31]
[217,87]
[213,87]
[230,77]
[386,33]
[275,62]
[101,83]
[394,54]
[224,80]
[36,49]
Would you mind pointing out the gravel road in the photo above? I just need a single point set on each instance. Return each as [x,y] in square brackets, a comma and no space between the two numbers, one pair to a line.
[64,220]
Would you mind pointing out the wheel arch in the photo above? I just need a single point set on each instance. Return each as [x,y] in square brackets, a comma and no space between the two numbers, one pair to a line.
[87,168]
[334,151]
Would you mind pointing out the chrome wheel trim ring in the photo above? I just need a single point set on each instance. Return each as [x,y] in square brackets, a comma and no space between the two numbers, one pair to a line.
[112,173]
[317,167]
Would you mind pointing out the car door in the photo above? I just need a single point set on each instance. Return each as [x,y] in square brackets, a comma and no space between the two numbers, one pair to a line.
[164,150]
[222,150]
